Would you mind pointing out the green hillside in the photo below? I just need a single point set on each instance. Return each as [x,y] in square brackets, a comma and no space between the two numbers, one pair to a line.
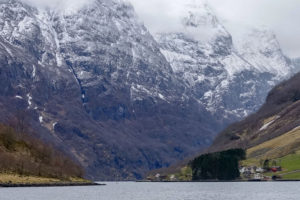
[283,150]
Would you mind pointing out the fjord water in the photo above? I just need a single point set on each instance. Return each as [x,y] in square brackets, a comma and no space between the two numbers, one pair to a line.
[160,191]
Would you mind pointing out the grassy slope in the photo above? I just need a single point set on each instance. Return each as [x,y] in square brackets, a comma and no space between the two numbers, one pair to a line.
[290,165]
[278,147]
[185,174]
[18,179]
[285,150]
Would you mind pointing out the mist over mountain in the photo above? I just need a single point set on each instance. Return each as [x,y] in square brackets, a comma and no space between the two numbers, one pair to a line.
[58,5]
[237,16]
[229,75]
[296,63]
[120,100]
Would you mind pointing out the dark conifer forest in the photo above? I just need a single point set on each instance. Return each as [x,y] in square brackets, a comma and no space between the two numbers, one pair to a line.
[218,166]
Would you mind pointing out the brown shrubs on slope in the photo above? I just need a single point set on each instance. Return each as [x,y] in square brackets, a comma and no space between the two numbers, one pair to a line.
[23,154]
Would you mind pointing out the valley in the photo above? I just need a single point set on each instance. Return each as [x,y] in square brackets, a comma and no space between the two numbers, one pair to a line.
[120,101]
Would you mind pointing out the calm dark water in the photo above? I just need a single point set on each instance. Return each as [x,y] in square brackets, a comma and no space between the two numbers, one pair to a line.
[161,191]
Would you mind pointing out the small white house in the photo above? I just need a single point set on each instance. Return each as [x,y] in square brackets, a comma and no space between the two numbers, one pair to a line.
[260,170]
[157,176]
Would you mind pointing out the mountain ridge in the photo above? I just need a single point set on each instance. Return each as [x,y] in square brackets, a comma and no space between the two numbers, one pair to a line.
[96,83]
[103,99]
[228,75]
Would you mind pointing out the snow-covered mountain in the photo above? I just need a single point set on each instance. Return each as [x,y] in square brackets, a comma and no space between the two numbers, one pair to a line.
[94,82]
[262,50]
[230,76]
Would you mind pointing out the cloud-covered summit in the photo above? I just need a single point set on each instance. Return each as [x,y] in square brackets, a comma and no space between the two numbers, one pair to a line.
[161,15]
[281,16]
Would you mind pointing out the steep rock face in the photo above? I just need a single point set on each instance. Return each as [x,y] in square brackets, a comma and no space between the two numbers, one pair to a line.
[94,83]
[230,78]
[104,46]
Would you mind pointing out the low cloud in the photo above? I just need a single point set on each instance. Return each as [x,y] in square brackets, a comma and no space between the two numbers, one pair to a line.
[282,16]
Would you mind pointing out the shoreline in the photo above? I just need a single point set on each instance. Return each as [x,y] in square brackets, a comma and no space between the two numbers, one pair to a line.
[216,181]
[11,185]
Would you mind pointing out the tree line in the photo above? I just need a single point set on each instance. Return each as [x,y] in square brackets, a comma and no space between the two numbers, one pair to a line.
[218,166]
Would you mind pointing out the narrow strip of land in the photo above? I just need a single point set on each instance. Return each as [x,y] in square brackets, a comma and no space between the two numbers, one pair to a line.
[50,185]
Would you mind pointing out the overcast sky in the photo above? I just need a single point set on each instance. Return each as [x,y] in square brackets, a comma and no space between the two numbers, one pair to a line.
[59,4]
[282,16]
